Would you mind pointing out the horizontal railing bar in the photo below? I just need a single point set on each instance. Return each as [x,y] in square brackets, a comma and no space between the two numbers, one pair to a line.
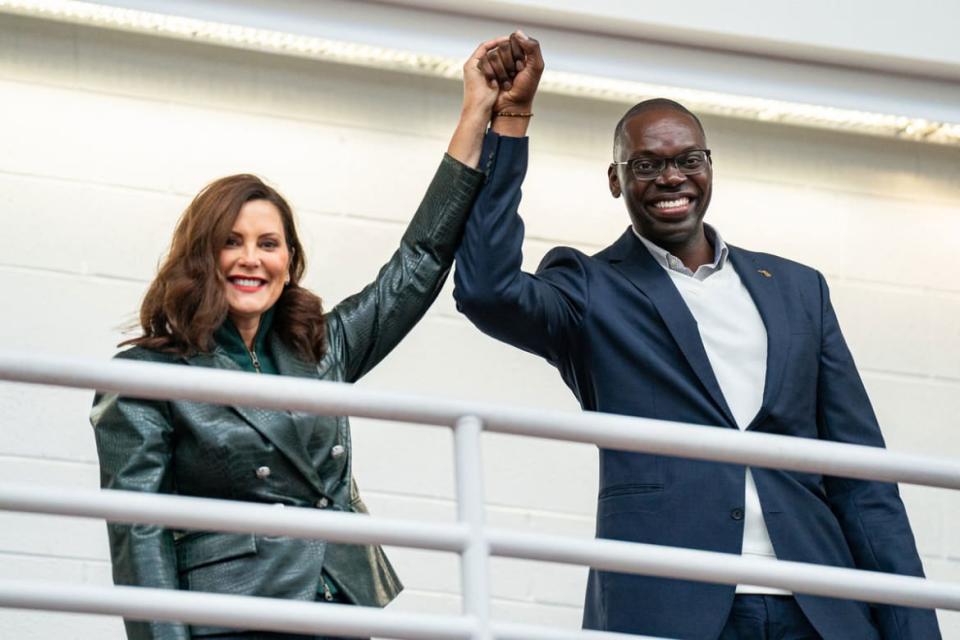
[518,631]
[608,555]
[724,568]
[149,380]
[247,612]
[206,514]
[243,612]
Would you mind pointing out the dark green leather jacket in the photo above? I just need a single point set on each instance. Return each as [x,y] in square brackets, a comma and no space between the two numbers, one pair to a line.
[236,453]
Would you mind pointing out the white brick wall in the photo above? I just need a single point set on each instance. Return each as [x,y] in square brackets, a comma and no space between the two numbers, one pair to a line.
[104,137]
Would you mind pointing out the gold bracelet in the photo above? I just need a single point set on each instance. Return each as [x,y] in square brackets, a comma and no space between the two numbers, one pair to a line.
[509,114]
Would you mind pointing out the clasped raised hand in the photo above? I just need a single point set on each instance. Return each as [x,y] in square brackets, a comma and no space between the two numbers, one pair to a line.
[515,64]
[500,79]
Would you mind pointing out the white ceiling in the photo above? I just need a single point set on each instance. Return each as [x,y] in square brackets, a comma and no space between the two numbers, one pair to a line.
[853,55]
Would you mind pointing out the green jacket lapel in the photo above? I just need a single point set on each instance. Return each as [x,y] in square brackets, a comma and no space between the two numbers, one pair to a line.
[275,426]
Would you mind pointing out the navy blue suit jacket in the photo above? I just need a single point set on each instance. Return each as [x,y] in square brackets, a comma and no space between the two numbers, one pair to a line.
[624,341]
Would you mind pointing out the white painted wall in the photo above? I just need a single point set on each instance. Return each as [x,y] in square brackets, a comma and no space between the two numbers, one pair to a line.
[104,138]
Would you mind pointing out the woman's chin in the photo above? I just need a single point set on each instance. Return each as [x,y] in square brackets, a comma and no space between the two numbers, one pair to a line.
[246,311]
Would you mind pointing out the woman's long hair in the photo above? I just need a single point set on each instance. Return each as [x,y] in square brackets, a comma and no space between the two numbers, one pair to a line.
[186,302]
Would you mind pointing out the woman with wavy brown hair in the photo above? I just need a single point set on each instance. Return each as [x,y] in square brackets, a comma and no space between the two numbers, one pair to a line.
[193,296]
[228,296]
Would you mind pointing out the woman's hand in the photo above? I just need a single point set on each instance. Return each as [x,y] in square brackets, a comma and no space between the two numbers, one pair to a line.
[479,96]
[480,91]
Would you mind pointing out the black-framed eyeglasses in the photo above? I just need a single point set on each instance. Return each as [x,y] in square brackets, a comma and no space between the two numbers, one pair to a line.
[687,163]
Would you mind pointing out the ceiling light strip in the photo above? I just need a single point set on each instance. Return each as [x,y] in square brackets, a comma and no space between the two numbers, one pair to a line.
[558,82]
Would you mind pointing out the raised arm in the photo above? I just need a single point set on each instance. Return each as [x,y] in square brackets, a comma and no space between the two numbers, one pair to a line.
[538,313]
[365,327]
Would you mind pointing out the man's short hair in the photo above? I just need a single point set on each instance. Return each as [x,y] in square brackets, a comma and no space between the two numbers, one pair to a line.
[649,105]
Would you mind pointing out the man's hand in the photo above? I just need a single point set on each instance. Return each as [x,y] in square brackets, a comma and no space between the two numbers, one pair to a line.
[516,64]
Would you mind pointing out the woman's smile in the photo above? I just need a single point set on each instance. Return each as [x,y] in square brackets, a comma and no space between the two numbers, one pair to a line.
[246,284]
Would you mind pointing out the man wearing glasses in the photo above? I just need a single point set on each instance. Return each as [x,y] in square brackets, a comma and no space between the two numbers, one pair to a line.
[670,322]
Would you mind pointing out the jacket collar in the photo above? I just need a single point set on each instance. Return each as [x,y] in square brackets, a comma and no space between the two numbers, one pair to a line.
[228,338]
[761,281]
[628,256]
[669,261]
[633,260]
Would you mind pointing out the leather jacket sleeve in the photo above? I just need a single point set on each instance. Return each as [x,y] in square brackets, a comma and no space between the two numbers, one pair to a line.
[365,327]
[134,446]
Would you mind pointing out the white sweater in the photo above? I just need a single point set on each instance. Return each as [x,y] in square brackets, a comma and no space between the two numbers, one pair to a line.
[735,340]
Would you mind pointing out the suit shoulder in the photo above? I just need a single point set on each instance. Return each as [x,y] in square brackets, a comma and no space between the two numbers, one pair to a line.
[563,254]
[103,402]
[604,254]
[775,264]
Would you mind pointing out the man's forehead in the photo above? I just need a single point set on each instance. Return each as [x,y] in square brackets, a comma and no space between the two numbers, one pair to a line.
[650,130]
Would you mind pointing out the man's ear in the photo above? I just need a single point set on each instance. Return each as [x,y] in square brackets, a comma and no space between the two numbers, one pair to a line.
[614,180]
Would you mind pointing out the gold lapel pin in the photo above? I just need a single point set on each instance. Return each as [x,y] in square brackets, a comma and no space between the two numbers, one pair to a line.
[765,273]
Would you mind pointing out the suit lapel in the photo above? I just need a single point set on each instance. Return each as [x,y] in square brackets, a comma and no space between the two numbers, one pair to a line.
[631,258]
[275,426]
[763,286]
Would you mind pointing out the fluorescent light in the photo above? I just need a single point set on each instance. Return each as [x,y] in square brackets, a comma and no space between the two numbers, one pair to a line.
[572,84]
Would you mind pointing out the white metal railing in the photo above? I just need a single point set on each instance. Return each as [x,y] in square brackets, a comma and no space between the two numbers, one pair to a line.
[270,613]
[474,542]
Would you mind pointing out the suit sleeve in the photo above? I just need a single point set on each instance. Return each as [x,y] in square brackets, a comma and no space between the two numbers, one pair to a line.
[134,446]
[538,312]
[870,513]
[365,327]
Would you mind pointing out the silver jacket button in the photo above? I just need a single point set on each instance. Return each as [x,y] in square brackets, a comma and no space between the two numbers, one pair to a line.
[322,503]
[337,450]
[263,472]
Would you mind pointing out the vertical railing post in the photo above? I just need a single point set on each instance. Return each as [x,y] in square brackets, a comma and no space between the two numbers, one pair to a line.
[474,561]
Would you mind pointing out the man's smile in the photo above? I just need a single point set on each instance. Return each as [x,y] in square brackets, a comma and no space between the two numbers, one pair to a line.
[672,206]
